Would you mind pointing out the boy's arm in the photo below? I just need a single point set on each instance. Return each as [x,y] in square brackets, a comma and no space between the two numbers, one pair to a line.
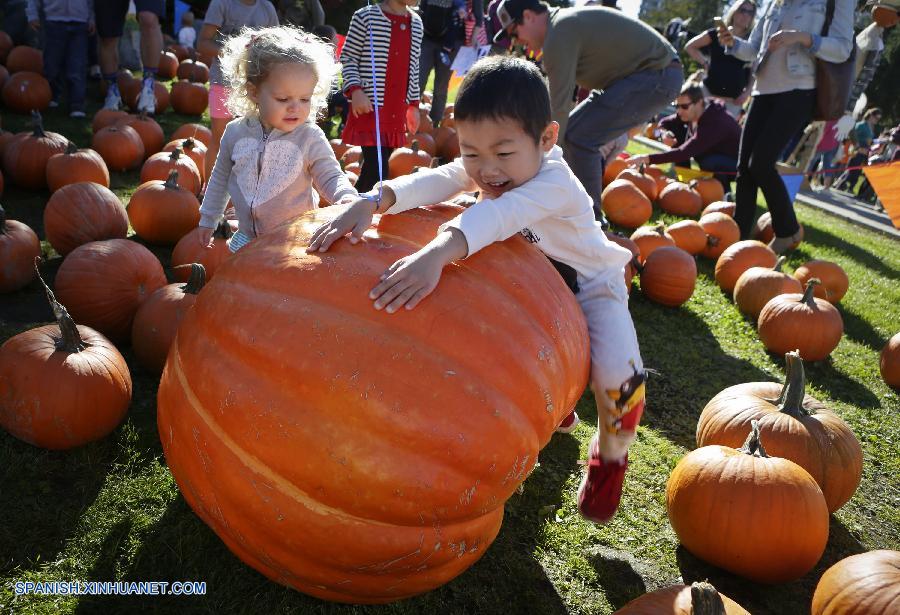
[547,194]
[429,186]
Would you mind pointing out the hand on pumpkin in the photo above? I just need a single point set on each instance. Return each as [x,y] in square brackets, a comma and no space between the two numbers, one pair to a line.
[360,103]
[354,220]
[206,237]
[413,277]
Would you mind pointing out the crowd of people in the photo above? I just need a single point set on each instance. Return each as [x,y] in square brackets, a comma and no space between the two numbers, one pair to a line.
[534,133]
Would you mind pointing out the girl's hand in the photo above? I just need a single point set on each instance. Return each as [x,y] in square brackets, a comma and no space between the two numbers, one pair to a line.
[412,119]
[360,103]
[354,220]
[206,237]
[414,277]
[726,36]
[786,38]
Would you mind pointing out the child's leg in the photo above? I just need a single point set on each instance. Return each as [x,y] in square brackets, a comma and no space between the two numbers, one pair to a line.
[76,68]
[54,55]
[368,172]
[617,380]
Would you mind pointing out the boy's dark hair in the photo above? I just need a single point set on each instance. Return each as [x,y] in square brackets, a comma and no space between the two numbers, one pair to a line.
[692,91]
[503,87]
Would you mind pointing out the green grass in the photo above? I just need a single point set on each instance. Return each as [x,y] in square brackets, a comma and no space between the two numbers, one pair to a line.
[111,510]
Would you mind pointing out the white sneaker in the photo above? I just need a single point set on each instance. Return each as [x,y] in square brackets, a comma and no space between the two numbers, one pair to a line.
[53,104]
[113,100]
[77,114]
[147,99]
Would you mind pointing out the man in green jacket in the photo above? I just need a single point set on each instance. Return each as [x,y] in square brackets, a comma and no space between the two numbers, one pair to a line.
[631,70]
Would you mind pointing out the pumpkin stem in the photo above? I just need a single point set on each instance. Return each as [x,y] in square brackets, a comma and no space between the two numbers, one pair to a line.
[172,181]
[712,240]
[781,260]
[752,445]
[808,296]
[71,148]
[414,146]
[705,600]
[790,401]
[176,154]
[188,143]
[660,229]
[38,124]
[70,340]
[197,280]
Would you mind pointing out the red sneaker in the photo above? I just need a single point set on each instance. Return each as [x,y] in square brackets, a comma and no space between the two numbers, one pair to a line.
[601,487]
[569,423]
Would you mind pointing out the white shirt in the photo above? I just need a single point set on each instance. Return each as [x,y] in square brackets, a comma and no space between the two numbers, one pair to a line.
[187,36]
[551,210]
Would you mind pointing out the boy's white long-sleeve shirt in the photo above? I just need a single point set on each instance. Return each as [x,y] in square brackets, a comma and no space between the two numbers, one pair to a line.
[551,210]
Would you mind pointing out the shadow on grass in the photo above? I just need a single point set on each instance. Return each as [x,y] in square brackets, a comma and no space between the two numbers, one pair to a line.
[862,331]
[508,578]
[824,376]
[689,368]
[617,574]
[794,597]
[818,236]
[44,495]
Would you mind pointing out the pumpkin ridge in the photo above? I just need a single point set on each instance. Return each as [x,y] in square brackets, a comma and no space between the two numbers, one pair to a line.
[257,466]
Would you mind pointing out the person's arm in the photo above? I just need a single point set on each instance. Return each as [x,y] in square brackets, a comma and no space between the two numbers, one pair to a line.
[560,62]
[708,133]
[207,44]
[694,46]
[428,186]
[837,45]
[326,173]
[216,197]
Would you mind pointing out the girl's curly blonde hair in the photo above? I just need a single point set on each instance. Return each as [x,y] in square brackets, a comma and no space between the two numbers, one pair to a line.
[248,58]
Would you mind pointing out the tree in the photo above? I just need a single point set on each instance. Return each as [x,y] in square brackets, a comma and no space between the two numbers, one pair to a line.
[700,12]
[884,91]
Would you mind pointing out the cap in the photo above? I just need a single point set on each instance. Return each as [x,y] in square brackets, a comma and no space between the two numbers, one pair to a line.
[509,12]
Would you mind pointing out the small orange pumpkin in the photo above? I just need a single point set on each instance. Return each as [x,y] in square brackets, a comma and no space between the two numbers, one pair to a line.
[189,98]
[710,189]
[763,231]
[681,200]
[188,250]
[405,160]
[159,166]
[26,155]
[668,276]
[835,281]
[19,246]
[194,149]
[890,362]
[425,142]
[76,165]
[195,131]
[193,70]
[758,285]
[25,58]
[811,325]
[688,235]
[631,268]
[150,132]
[738,258]
[612,170]
[82,212]
[162,212]
[694,599]
[26,91]
[625,205]
[107,117]
[168,65]
[885,16]
[649,238]
[724,207]
[643,180]
[120,147]
[862,584]
[721,231]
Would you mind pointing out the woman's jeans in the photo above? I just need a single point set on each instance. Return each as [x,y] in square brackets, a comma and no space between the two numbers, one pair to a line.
[772,120]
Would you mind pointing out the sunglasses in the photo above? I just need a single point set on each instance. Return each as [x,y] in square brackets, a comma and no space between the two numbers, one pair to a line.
[685,106]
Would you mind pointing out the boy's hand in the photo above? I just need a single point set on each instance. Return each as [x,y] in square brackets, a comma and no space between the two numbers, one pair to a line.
[413,277]
[354,220]
[206,237]
[360,103]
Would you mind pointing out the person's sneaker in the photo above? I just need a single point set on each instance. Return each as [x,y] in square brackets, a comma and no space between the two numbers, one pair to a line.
[113,100]
[569,423]
[147,99]
[601,487]
[53,104]
[77,114]
[780,245]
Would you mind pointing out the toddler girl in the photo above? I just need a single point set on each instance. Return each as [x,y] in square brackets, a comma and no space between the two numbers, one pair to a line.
[273,156]
[396,35]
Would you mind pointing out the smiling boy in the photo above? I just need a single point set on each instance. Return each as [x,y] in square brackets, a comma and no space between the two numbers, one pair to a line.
[509,154]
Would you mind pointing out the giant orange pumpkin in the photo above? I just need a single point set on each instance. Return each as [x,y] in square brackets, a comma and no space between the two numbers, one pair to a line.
[19,246]
[76,165]
[104,282]
[794,426]
[803,322]
[62,385]
[625,205]
[79,213]
[833,277]
[738,258]
[758,516]
[157,319]
[695,599]
[862,584]
[163,212]
[373,466]
[890,362]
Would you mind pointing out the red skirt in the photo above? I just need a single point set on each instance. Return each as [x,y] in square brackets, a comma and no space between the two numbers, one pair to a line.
[360,130]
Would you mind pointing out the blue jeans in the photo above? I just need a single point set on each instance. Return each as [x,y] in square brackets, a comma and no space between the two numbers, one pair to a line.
[606,114]
[827,160]
[65,54]
[717,163]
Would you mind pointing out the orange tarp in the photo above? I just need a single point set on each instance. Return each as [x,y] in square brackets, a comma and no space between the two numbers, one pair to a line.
[885,180]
